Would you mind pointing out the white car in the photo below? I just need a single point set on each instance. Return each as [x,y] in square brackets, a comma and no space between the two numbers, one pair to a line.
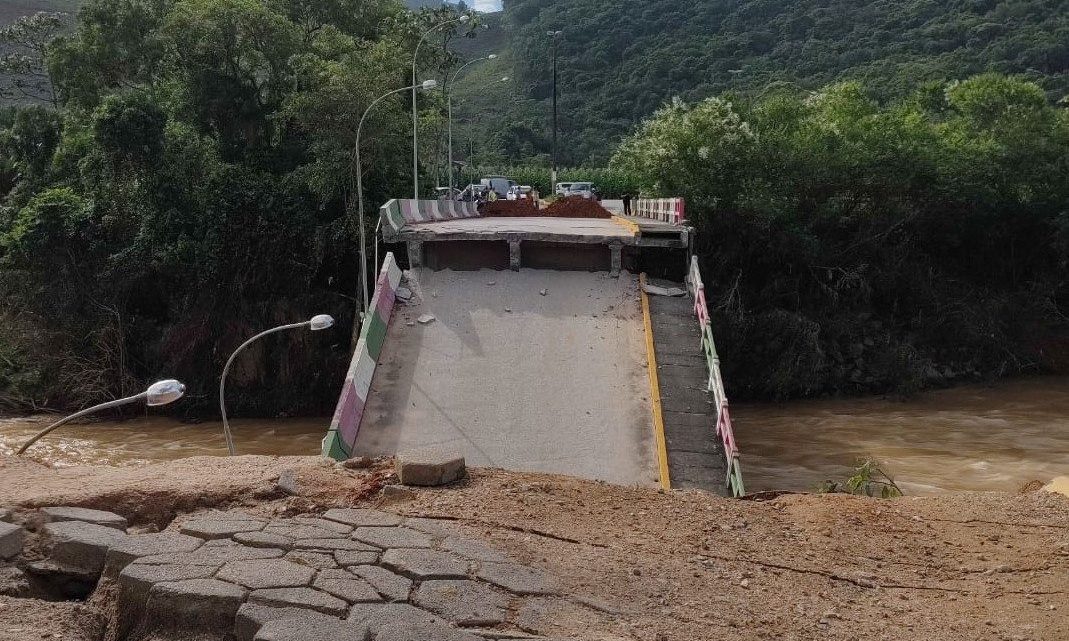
[562,188]
[582,190]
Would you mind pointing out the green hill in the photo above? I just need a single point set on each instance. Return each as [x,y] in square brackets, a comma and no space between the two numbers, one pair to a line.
[621,59]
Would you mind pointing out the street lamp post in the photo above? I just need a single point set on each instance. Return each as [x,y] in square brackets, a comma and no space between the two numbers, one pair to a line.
[449,110]
[159,393]
[317,323]
[555,35]
[426,85]
[414,86]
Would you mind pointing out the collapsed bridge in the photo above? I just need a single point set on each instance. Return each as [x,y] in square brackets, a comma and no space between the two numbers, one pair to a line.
[532,343]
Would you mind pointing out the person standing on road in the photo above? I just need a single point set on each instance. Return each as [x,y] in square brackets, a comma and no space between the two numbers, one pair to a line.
[627,203]
[492,196]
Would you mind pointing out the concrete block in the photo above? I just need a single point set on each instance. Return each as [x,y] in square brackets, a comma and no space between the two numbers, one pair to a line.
[307,628]
[464,602]
[319,559]
[378,615]
[126,550]
[346,586]
[347,558]
[251,617]
[96,517]
[266,573]
[306,598]
[11,538]
[333,545]
[425,564]
[392,537]
[195,607]
[263,540]
[80,545]
[218,528]
[392,587]
[358,517]
[429,467]
[423,632]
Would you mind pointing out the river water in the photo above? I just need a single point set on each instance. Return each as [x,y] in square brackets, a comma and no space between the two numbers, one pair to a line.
[969,438]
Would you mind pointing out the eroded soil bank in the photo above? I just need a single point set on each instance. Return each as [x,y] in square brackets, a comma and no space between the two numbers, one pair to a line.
[640,563]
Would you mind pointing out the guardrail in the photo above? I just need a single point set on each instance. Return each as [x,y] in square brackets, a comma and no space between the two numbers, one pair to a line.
[733,480]
[669,210]
[349,414]
[404,211]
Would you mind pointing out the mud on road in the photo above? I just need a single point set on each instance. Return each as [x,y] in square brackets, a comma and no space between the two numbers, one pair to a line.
[645,564]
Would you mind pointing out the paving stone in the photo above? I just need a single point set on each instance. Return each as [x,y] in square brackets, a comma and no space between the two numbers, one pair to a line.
[326,524]
[377,615]
[347,558]
[425,564]
[135,546]
[393,587]
[264,540]
[96,517]
[423,632]
[312,628]
[313,559]
[136,580]
[429,466]
[196,607]
[219,528]
[209,555]
[473,549]
[266,573]
[11,537]
[346,586]
[300,598]
[463,602]
[392,537]
[362,517]
[251,617]
[81,545]
[437,528]
[296,531]
[229,515]
[516,578]
[334,544]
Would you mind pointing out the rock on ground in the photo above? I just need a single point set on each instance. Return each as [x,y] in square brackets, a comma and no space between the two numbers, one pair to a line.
[429,467]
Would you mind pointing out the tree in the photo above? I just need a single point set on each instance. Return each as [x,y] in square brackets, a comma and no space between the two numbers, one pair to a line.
[29,38]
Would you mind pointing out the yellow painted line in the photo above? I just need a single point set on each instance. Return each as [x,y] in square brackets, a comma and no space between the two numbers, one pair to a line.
[630,226]
[655,388]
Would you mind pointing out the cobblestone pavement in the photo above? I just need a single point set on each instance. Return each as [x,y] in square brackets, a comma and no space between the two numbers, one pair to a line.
[356,574]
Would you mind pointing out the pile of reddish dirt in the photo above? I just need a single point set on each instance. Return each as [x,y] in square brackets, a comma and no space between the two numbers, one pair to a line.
[509,209]
[576,207]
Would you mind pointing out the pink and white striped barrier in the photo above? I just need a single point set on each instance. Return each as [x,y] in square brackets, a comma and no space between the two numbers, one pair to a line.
[669,210]
[349,413]
[405,211]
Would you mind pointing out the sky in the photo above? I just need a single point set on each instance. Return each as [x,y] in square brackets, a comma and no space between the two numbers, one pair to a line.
[485,5]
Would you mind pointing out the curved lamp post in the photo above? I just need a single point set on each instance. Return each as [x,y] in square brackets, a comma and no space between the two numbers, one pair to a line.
[555,38]
[317,323]
[415,85]
[426,85]
[159,393]
[449,109]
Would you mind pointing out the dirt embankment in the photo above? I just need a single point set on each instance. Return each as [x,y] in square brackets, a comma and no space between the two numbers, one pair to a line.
[650,565]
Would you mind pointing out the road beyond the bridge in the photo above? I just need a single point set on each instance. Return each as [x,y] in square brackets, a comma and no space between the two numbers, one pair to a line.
[513,377]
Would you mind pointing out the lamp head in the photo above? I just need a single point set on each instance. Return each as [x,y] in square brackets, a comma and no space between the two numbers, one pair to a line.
[492,56]
[429,84]
[322,321]
[164,392]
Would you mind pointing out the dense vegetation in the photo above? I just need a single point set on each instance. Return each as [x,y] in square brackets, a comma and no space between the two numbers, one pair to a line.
[193,187]
[857,246]
[622,59]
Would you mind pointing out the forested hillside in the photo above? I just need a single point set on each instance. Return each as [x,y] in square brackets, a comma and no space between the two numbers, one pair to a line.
[622,59]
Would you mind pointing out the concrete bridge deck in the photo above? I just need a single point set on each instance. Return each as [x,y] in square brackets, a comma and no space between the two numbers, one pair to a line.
[515,378]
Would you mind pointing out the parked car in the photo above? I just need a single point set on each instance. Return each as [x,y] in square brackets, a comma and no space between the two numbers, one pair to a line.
[562,188]
[520,192]
[500,184]
[473,193]
[582,190]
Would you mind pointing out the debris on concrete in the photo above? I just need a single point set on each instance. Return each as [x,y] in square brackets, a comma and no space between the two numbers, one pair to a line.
[543,292]
[287,483]
[404,294]
[658,290]
[426,318]
[429,467]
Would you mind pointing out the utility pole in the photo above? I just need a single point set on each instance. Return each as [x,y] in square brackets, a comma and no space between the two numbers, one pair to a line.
[555,35]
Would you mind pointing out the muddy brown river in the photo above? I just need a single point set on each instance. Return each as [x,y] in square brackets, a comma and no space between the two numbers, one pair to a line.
[970,438]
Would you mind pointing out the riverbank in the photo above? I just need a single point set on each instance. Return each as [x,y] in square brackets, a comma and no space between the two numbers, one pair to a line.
[640,563]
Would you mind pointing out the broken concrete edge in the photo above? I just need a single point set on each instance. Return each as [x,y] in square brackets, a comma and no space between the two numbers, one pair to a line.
[429,467]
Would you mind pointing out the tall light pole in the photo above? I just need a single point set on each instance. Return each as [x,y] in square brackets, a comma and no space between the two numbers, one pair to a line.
[555,35]
[426,85]
[449,110]
[159,393]
[317,323]
[414,86]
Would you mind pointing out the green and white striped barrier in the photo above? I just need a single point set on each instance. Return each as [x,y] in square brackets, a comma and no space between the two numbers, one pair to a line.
[345,426]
